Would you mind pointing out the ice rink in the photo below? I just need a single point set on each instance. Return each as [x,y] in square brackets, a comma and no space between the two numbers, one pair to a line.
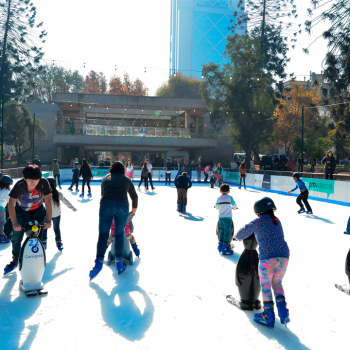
[173,297]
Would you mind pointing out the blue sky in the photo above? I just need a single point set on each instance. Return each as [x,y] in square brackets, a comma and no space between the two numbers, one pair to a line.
[132,35]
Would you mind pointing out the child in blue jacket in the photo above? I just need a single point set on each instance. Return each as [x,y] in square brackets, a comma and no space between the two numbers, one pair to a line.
[303,196]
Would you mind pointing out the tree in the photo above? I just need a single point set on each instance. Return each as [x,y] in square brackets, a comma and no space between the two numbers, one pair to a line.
[18,124]
[288,113]
[96,83]
[181,87]
[20,40]
[127,86]
[238,98]
[42,83]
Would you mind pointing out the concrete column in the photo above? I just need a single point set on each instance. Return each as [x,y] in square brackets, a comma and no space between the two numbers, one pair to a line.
[81,112]
[187,119]
[197,125]
[81,152]
[178,122]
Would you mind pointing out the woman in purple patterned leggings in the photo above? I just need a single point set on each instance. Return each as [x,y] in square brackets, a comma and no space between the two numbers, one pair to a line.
[274,258]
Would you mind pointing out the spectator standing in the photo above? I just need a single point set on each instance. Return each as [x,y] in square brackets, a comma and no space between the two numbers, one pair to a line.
[252,166]
[150,173]
[186,165]
[199,172]
[101,164]
[75,161]
[36,161]
[56,172]
[192,166]
[300,161]
[233,165]
[289,165]
[329,165]
[167,172]
[108,163]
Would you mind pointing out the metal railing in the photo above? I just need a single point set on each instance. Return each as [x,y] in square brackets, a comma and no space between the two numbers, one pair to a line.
[105,130]
[17,173]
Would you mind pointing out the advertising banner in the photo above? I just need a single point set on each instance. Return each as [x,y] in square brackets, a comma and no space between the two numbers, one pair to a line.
[320,185]
[232,176]
[99,172]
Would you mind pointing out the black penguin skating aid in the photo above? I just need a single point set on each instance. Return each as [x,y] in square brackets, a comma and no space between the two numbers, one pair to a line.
[346,288]
[247,278]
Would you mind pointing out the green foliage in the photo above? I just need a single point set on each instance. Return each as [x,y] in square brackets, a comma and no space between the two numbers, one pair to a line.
[42,83]
[238,97]
[181,87]
[20,41]
[313,147]
[18,132]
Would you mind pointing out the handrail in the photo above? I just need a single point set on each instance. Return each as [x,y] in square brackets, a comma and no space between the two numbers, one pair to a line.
[17,173]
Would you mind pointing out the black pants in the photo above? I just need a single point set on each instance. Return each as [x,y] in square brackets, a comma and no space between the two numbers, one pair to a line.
[146,182]
[75,182]
[206,177]
[167,178]
[150,179]
[303,196]
[328,176]
[86,180]
[58,179]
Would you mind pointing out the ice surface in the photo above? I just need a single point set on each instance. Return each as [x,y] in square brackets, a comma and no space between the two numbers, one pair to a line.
[173,297]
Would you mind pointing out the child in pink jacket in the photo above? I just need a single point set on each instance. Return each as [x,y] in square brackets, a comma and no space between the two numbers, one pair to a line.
[129,230]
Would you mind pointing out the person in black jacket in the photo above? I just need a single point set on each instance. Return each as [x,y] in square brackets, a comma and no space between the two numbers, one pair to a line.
[36,161]
[182,183]
[85,172]
[75,179]
[329,165]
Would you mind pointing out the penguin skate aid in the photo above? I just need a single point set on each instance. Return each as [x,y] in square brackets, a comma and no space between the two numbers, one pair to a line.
[5,187]
[26,205]
[114,205]
[56,198]
[225,203]
[129,230]
[346,288]
[274,258]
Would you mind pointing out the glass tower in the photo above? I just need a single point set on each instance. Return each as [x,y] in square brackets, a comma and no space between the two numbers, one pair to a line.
[198,33]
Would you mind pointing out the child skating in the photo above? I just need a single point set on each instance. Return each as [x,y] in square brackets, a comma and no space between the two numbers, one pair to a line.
[303,196]
[129,230]
[5,187]
[273,260]
[144,177]
[75,178]
[225,203]
[56,198]
[182,183]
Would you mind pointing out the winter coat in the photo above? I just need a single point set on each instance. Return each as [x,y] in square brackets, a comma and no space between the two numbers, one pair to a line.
[183,182]
[329,167]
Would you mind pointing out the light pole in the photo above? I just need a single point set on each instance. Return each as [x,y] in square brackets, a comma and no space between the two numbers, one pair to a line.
[2,129]
[302,138]
[33,136]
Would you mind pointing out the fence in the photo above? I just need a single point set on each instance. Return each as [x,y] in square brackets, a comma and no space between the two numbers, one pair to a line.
[17,173]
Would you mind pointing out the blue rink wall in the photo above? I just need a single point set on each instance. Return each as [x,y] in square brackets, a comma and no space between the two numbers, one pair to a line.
[331,191]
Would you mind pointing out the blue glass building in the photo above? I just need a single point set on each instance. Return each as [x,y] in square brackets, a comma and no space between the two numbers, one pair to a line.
[198,33]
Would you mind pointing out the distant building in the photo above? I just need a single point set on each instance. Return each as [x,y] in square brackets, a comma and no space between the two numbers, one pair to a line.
[199,29]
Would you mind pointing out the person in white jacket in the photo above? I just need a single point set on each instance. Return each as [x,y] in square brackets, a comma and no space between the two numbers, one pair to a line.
[56,198]
[5,187]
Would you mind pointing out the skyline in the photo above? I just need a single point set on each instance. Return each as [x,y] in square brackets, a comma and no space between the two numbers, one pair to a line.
[94,38]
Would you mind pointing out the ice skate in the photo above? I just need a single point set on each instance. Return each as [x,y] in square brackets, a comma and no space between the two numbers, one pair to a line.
[226,250]
[44,244]
[96,269]
[11,266]
[302,210]
[267,318]
[121,267]
[4,239]
[220,246]
[89,194]
[179,207]
[76,190]
[283,312]
[59,246]
[70,189]
[184,208]
[309,212]
[81,195]
[136,249]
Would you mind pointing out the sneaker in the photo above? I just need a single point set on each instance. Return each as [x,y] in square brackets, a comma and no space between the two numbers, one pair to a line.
[121,267]
[136,249]
[4,239]
[70,189]
[302,210]
[44,244]
[267,318]
[96,269]
[11,266]
[226,250]
[283,312]
[59,246]
[309,212]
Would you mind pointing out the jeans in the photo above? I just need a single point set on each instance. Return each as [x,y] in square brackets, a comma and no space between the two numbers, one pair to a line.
[22,218]
[240,181]
[146,182]
[109,210]
[303,196]
[58,179]
[56,227]
[225,229]
[167,178]
[150,179]
[312,167]
[199,177]
[75,182]
[2,220]
[86,180]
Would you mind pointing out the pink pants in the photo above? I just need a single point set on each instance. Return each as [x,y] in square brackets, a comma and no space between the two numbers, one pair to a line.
[127,228]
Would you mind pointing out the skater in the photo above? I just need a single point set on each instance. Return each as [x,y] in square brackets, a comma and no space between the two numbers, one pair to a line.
[129,169]
[225,203]
[129,230]
[26,204]
[199,172]
[5,188]
[56,172]
[75,178]
[56,198]
[212,180]
[182,183]
[273,256]
[167,172]
[206,173]
[220,171]
[242,175]
[85,172]
[150,172]
[144,177]
[303,196]
[114,206]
